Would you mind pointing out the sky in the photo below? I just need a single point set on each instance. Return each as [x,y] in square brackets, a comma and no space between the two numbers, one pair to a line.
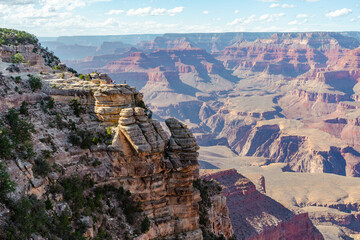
[52,18]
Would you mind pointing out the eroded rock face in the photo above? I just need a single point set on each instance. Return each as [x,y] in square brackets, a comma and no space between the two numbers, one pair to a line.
[158,171]
[219,217]
[256,216]
[167,194]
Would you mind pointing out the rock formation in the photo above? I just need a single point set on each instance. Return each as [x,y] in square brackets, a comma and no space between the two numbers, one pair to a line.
[93,132]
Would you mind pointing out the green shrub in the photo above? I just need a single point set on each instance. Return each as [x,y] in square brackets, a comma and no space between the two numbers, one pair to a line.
[34,82]
[81,76]
[41,168]
[16,135]
[81,138]
[6,185]
[24,108]
[5,143]
[145,225]
[20,129]
[15,37]
[17,58]
[51,103]
[56,67]
[76,107]
[17,79]
[48,204]
[72,70]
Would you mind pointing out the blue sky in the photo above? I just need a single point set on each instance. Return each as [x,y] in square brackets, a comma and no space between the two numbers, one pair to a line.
[116,17]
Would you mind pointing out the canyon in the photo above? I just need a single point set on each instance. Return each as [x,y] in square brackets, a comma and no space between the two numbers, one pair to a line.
[276,116]
[263,103]
[83,159]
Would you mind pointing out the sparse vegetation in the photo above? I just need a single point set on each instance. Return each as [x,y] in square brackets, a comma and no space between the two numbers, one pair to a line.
[17,58]
[72,71]
[17,79]
[15,37]
[34,82]
[56,67]
[15,134]
[51,103]
[24,110]
[145,225]
[6,185]
[41,167]
[76,107]
[81,138]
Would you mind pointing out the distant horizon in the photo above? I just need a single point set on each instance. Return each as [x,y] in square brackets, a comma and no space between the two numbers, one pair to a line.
[160,34]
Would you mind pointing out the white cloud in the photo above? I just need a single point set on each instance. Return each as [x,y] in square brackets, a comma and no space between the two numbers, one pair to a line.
[275,5]
[236,21]
[298,22]
[149,11]
[339,13]
[312,0]
[253,18]
[303,15]
[205,12]
[271,17]
[293,22]
[114,12]
[236,11]
[288,6]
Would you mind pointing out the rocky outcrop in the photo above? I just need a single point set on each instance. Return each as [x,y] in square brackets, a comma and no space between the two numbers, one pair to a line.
[256,216]
[74,125]
[29,52]
[157,170]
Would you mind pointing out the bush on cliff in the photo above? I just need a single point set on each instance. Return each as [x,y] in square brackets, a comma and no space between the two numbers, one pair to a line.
[17,58]
[6,185]
[24,110]
[76,107]
[34,82]
[15,37]
[15,136]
